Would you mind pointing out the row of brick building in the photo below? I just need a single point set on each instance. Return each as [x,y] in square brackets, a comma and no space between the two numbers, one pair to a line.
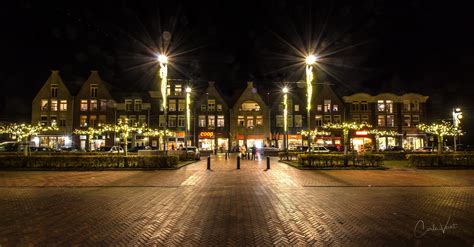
[218,123]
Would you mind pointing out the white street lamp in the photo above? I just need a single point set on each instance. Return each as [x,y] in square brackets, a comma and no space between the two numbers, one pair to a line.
[310,61]
[188,116]
[163,60]
[285,116]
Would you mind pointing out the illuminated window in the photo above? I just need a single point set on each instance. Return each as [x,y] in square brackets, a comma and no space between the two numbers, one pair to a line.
[168,90]
[319,108]
[380,105]
[381,120]
[298,121]
[138,105]
[415,119]
[389,106]
[172,121]
[203,107]
[250,121]
[327,105]
[63,105]
[279,121]
[178,89]
[241,121]
[172,105]
[44,120]
[250,106]
[93,105]
[406,105]
[211,122]
[219,107]
[259,120]
[54,105]
[407,120]
[319,120]
[390,121]
[297,107]
[220,120]
[92,121]
[335,108]
[202,121]
[44,105]
[103,105]
[181,121]
[83,121]
[93,91]
[181,105]
[54,91]
[84,105]
[211,104]
[54,121]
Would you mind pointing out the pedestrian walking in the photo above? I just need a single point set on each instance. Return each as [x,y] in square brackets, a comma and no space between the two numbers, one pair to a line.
[254,151]
[243,152]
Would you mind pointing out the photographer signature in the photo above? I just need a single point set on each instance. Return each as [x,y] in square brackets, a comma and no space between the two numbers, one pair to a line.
[421,231]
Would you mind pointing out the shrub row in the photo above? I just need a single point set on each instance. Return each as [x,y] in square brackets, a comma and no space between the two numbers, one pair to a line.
[334,160]
[88,162]
[444,160]
[289,155]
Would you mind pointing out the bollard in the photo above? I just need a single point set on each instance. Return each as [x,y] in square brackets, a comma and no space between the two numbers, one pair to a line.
[268,163]
[238,162]
[226,155]
[209,163]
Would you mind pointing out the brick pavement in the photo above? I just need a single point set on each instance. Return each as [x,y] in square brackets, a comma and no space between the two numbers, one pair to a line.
[224,206]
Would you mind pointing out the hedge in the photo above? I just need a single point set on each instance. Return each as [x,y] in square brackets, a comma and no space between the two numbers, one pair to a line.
[88,162]
[444,160]
[334,160]
[289,155]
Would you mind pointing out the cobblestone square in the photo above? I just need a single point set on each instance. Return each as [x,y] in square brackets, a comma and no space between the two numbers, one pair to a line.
[225,206]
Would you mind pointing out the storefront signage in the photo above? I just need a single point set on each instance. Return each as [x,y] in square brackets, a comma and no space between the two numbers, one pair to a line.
[361,133]
[208,134]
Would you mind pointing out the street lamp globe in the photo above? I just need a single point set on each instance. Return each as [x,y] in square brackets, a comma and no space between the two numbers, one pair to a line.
[162,58]
[311,59]
[285,90]
[188,90]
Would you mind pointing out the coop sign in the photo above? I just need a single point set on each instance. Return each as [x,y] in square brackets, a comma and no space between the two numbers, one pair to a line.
[208,134]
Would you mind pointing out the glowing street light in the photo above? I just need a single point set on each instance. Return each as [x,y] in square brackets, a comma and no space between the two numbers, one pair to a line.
[310,61]
[188,115]
[457,117]
[285,116]
[163,60]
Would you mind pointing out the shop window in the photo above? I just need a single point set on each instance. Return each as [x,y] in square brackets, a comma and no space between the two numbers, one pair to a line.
[250,106]
[259,121]
[54,91]
[298,121]
[172,105]
[319,120]
[279,121]
[220,121]
[54,105]
[44,105]
[407,120]
[93,91]
[84,105]
[202,121]
[211,122]
[172,121]
[381,120]
[103,105]
[181,121]
[83,121]
[138,105]
[181,105]
[240,121]
[93,105]
[63,105]
[390,121]
[327,105]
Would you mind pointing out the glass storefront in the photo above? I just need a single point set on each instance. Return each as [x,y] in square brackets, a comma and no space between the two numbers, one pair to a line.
[362,144]
[385,142]
[413,142]
[55,142]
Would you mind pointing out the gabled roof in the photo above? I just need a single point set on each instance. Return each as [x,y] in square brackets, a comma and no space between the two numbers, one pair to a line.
[53,78]
[250,93]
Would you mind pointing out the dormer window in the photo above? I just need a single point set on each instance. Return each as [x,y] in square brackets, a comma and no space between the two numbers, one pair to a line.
[93,91]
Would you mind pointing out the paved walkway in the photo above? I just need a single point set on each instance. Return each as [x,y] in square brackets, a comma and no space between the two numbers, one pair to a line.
[251,206]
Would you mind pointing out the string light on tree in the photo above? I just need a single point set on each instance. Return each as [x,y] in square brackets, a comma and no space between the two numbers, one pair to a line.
[440,130]
[346,127]
[22,132]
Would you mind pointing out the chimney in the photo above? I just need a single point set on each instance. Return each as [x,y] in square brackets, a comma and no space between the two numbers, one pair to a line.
[250,84]
[211,83]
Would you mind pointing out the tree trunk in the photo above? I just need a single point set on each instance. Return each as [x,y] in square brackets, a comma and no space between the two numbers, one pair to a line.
[26,147]
[346,141]
[440,144]
[125,141]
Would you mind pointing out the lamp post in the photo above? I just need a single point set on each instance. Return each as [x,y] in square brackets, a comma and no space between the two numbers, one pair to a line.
[188,116]
[163,60]
[457,116]
[285,116]
[310,61]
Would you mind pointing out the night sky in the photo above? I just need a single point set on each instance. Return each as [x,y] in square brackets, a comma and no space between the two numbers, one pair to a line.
[368,46]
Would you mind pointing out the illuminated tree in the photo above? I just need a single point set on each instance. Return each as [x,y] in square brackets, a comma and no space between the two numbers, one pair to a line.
[160,133]
[378,133]
[22,132]
[440,130]
[314,133]
[123,129]
[346,127]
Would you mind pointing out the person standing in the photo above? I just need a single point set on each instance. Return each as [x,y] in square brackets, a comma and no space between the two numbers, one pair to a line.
[254,151]
[243,151]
